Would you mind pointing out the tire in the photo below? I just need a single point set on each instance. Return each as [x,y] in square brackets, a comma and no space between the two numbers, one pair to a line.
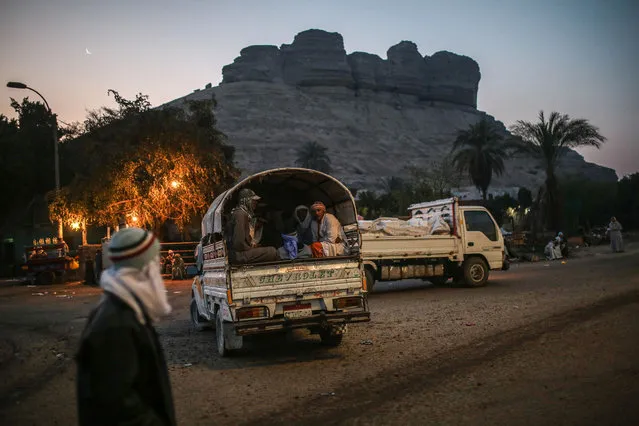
[199,322]
[329,339]
[475,272]
[370,279]
[219,335]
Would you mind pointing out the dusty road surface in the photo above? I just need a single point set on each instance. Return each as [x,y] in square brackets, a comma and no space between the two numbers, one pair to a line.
[544,343]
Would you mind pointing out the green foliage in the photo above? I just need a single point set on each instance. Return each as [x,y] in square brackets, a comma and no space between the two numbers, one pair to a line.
[313,155]
[480,151]
[627,205]
[148,165]
[549,139]
[586,203]
[524,198]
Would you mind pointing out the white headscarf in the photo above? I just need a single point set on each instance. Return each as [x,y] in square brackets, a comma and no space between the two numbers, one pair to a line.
[146,284]
[307,219]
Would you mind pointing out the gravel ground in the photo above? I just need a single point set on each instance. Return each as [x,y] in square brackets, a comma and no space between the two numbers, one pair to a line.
[413,364]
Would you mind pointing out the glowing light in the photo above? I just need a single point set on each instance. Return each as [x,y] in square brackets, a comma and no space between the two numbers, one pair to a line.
[134,218]
[75,225]
[175,184]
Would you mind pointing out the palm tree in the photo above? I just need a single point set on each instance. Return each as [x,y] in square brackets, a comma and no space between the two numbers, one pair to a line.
[480,151]
[313,155]
[549,139]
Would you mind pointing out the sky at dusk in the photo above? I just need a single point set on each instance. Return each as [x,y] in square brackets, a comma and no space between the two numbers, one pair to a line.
[579,57]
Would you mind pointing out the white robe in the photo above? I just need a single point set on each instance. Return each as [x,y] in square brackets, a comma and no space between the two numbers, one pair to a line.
[329,232]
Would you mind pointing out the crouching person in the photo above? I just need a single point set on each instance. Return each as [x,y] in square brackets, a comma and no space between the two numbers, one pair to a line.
[122,375]
[243,245]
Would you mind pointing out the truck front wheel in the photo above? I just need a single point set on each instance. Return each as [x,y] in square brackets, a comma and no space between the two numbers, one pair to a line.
[475,272]
[199,322]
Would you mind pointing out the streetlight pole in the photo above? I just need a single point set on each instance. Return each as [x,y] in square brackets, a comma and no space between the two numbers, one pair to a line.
[19,85]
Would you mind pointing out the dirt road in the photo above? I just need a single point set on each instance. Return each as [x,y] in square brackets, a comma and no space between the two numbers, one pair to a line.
[550,342]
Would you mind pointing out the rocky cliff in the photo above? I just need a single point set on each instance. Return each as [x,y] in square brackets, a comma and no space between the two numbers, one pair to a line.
[377,116]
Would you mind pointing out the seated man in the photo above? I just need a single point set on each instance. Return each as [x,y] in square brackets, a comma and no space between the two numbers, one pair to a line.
[328,235]
[178,271]
[244,248]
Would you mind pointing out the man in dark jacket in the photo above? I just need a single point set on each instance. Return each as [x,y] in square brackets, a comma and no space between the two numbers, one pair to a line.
[122,374]
[243,245]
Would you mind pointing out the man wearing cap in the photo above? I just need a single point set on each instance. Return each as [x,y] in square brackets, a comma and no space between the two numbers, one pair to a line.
[122,375]
[328,234]
[244,248]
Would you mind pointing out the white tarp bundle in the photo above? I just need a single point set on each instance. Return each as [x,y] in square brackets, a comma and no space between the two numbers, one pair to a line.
[419,226]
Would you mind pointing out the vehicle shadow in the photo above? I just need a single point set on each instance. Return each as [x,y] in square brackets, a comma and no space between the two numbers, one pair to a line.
[185,347]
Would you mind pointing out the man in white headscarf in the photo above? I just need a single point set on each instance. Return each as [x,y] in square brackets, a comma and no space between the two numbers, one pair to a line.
[328,235]
[122,375]
[303,218]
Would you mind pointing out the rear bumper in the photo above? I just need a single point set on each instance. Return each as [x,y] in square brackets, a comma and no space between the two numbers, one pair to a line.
[317,320]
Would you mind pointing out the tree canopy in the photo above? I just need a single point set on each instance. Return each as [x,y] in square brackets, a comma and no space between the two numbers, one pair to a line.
[313,155]
[549,139]
[144,165]
[480,151]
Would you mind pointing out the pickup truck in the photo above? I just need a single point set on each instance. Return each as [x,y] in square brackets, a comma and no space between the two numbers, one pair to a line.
[466,245]
[322,294]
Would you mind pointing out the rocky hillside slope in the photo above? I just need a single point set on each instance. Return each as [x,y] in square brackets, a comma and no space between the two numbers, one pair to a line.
[375,116]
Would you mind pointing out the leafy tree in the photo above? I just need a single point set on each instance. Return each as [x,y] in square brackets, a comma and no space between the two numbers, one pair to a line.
[524,197]
[313,155]
[549,139]
[439,178]
[148,165]
[627,205]
[480,151]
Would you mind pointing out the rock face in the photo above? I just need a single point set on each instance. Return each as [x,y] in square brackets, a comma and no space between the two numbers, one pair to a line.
[317,58]
[377,117]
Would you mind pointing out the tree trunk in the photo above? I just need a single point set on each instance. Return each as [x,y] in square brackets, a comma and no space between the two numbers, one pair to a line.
[552,201]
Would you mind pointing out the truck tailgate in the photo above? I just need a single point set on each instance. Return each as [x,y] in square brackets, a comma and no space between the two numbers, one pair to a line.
[305,277]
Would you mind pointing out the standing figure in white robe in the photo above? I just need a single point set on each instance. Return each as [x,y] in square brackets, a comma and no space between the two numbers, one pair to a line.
[614,232]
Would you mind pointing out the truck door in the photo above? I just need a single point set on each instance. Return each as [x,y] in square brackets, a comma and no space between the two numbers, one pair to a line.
[483,237]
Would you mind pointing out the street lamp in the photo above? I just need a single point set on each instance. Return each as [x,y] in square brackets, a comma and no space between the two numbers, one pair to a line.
[19,85]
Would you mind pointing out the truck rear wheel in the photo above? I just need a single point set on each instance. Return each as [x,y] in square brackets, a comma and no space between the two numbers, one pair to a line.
[332,335]
[475,272]
[219,335]
[370,279]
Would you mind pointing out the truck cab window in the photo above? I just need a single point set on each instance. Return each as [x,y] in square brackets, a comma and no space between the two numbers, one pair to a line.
[480,221]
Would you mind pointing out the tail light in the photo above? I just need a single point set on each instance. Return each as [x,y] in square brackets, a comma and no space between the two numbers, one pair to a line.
[252,313]
[347,302]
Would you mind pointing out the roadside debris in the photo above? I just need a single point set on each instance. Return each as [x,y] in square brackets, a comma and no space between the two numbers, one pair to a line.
[188,364]
[31,286]
[37,294]
[327,394]
[366,342]
[177,292]
[470,324]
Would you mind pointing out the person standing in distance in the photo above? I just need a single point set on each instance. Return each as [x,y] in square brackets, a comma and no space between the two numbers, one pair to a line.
[122,374]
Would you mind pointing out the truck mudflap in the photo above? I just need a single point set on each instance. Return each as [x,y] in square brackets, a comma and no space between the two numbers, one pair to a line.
[323,320]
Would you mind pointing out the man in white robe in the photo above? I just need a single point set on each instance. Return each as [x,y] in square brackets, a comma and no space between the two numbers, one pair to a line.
[328,235]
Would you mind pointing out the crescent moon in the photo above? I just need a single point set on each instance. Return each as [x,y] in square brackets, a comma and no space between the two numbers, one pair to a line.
[87,50]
